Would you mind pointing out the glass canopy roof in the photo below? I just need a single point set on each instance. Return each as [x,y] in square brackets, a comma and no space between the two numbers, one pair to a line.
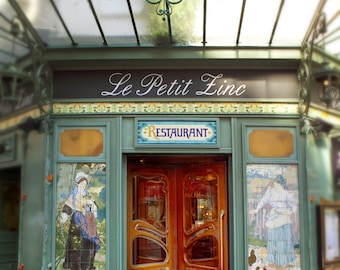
[129,23]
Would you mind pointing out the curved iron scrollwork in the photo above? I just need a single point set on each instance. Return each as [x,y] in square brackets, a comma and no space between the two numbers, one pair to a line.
[305,68]
[304,94]
[326,77]
[39,73]
[164,6]
[43,87]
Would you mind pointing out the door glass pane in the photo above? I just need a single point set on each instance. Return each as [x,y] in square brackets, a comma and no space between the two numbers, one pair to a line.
[149,217]
[200,217]
[149,201]
[200,197]
[204,252]
[146,250]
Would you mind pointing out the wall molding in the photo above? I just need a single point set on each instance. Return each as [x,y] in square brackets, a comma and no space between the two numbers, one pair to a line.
[176,108]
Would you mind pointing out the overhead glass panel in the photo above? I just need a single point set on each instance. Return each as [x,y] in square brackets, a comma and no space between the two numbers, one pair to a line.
[7,51]
[332,37]
[183,21]
[46,22]
[11,48]
[222,22]
[15,50]
[70,23]
[116,21]
[31,8]
[258,21]
[294,22]
[80,21]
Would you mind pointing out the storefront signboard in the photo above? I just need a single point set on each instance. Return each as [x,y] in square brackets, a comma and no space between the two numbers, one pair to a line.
[186,132]
[175,84]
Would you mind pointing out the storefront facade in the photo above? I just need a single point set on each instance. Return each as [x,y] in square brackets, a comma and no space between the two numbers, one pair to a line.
[167,135]
[177,161]
[165,168]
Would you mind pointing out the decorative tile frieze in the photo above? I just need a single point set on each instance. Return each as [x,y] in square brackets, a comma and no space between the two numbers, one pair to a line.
[158,108]
[175,108]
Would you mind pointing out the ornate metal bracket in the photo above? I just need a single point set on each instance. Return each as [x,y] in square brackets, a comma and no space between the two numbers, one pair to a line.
[304,94]
[164,6]
[38,74]
[326,77]
[305,68]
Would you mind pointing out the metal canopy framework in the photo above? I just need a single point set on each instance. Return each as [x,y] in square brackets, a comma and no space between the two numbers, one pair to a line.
[65,24]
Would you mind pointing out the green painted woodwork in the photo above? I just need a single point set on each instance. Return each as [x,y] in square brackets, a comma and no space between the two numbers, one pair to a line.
[41,159]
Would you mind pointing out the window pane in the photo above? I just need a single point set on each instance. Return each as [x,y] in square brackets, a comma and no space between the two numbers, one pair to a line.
[271,143]
[81,142]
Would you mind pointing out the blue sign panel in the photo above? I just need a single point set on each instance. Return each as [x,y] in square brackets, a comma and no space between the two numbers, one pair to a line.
[177,132]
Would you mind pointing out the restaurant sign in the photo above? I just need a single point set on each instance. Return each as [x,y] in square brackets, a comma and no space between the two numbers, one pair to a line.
[178,84]
[158,132]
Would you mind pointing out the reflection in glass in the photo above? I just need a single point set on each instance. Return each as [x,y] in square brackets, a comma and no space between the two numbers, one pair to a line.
[200,217]
[204,251]
[146,250]
[149,213]
[200,196]
[149,201]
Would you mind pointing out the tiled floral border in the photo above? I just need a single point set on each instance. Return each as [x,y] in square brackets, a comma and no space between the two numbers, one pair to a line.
[158,108]
[175,108]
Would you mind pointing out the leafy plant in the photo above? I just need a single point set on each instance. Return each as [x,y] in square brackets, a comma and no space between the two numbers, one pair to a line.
[182,22]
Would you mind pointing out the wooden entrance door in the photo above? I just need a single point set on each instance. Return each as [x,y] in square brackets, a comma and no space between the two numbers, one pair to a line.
[177,213]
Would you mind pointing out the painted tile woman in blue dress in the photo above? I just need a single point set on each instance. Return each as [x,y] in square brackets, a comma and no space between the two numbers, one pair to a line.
[280,239]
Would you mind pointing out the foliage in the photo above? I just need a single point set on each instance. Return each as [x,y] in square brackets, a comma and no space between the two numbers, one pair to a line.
[61,238]
[182,23]
[252,239]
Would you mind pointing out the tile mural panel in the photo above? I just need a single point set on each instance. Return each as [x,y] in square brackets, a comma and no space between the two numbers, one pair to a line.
[273,217]
[81,218]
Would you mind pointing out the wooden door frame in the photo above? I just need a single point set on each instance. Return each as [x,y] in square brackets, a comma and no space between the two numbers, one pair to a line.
[222,211]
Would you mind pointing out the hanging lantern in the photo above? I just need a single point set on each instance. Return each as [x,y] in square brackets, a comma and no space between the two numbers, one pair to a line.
[327,79]
[11,80]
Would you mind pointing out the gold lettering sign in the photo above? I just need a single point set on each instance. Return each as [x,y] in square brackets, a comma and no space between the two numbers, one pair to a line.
[271,143]
[81,142]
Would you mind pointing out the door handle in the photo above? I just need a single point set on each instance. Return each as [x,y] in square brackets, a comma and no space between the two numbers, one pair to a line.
[221,239]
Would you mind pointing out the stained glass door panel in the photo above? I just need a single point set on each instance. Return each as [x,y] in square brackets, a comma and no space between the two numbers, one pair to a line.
[202,226]
[150,234]
[176,216]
